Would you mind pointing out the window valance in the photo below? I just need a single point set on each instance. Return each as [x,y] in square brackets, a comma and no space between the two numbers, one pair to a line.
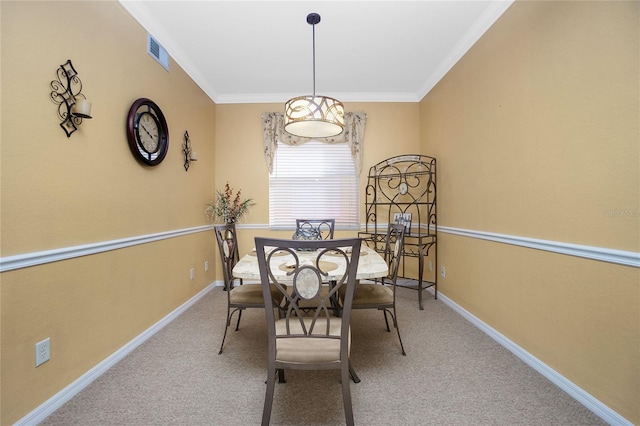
[353,134]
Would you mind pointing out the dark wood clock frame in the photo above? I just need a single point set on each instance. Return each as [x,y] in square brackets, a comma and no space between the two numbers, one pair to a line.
[136,146]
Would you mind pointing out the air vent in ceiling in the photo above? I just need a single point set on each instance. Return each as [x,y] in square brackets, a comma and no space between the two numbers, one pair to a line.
[157,52]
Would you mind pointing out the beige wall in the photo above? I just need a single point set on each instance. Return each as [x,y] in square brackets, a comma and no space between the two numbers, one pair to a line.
[536,134]
[60,192]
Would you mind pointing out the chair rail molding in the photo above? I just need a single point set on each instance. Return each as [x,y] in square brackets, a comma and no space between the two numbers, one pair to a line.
[620,257]
[26,260]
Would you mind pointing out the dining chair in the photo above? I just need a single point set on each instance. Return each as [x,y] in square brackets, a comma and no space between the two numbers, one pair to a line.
[316,229]
[242,296]
[381,294]
[322,228]
[320,341]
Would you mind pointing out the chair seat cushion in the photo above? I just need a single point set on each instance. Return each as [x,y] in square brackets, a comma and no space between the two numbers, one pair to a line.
[372,294]
[304,350]
[251,294]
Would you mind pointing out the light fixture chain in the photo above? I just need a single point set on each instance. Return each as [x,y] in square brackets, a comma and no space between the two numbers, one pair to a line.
[314,60]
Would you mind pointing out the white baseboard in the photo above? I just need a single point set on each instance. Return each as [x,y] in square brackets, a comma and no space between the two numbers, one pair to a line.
[577,393]
[59,399]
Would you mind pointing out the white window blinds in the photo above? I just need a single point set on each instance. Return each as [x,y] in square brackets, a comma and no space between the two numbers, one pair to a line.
[313,180]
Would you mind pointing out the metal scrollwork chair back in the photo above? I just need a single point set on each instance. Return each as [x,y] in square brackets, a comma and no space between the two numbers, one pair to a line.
[316,340]
[242,296]
[381,295]
[315,228]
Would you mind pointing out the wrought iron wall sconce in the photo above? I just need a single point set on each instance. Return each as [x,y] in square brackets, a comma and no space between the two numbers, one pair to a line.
[189,155]
[66,92]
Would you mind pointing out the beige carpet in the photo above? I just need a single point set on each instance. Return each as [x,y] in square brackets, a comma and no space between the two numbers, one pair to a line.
[453,374]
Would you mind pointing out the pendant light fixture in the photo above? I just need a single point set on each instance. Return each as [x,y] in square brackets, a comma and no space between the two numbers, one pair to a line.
[314,116]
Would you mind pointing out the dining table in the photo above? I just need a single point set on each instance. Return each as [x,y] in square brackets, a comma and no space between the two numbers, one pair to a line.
[371,264]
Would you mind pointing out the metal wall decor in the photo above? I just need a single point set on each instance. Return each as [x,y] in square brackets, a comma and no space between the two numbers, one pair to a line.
[189,155]
[66,92]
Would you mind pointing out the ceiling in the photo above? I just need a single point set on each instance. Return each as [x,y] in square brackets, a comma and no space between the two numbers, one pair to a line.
[366,51]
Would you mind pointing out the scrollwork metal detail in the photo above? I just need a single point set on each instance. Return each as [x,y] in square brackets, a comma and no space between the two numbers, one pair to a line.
[403,184]
[186,150]
[402,189]
[65,90]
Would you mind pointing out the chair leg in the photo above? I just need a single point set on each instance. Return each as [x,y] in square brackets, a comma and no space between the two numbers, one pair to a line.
[353,374]
[224,336]
[386,321]
[228,324]
[268,398]
[400,338]
[239,316]
[395,324]
[281,376]
[346,395]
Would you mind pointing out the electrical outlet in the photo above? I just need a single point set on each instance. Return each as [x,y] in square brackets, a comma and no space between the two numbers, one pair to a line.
[206,265]
[43,351]
[443,271]
[430,265]
[192,273]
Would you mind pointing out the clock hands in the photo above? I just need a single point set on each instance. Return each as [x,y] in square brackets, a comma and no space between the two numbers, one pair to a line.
[145,129]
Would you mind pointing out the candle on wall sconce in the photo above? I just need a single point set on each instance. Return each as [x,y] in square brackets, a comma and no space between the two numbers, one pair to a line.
[82,108]
[189,155]
[66,92]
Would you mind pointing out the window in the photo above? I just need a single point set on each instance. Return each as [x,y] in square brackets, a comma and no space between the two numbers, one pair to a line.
[313,180]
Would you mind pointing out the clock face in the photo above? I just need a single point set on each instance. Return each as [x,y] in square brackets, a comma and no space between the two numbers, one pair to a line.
[147,132]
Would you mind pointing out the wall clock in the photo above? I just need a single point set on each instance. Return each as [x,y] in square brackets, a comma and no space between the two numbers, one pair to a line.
[147,132]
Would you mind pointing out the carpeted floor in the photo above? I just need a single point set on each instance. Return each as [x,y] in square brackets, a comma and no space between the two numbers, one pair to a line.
[453,374]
